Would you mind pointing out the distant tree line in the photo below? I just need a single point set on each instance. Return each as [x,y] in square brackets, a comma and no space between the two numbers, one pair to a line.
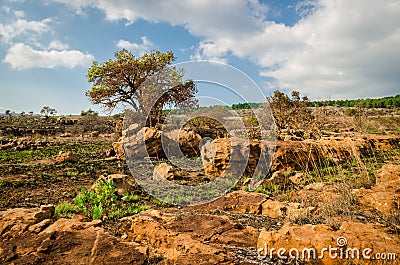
[386,102]
[245,106]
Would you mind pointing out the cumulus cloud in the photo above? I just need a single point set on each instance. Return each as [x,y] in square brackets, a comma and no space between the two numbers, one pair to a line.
[19,13]
[339,48]
[136,48]
[22,27]
[21,56]
[202,18]
[58,45]
[208,50]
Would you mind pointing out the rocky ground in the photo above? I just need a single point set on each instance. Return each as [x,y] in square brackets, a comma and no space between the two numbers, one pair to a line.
[340,192]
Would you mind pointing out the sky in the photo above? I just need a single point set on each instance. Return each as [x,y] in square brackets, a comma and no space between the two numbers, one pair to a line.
[325,49]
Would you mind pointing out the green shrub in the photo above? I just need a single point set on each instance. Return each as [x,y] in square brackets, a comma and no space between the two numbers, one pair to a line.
[102,202]
[98,202]
[350,112]
[65,210]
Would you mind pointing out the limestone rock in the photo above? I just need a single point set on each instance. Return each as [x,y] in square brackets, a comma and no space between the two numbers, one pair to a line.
[66,157]
[351,235]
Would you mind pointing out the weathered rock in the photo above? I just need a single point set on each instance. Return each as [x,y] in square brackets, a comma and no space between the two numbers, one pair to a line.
[351,235]
[118,150]
[122,183]
[66,157]
[164,170]
[280,179]
[236,202]
[232,156]
[110,152]
[188,142]
[94,134]
[175,237]
[67,241]
[384,196]
[290,210]
[387,173]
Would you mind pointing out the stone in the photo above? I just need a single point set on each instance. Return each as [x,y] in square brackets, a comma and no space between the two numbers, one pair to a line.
[122,183]
[66,157]
[317,186]
[350,235]
[110,152]
[274,209]
[94,134]
[388,172]
[118,150]
[384,196]
[45,212]
[235,202]
[164,170]
[279,178]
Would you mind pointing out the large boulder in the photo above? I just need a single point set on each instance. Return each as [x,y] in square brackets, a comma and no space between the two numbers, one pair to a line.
[29,236]
[233,156]
[148,142]
[175,237]
[384,196]
[350,239]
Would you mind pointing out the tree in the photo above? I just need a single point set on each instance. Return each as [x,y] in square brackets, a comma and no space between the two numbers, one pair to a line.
[292,114]
[47,111]
[89,112]
[146,83]
[8,113]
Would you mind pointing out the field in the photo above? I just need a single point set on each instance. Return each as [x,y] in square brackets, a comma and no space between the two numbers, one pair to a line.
[340,179]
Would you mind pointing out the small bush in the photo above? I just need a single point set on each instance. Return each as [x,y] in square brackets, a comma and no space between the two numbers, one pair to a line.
[103,203]
[65,210]
[350,112]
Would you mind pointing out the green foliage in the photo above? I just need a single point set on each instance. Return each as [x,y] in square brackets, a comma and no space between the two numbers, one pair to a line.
[252,120]
[159,203]
[245,106]
[86,150]
[89,112]
[268,189]
[350,112]
[98,202]
[102,202]
[386,102]
[129,79]
[65,210]
[46,111]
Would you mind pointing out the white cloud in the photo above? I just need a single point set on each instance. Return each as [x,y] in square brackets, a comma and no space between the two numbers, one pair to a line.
[137,48]
[57,45]
[339,48]
[19,13]
[21,56]
[6,9]
[202,18]
[208,50]
[22,27]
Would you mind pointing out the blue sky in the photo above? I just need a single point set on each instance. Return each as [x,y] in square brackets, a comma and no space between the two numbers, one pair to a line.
[326,49]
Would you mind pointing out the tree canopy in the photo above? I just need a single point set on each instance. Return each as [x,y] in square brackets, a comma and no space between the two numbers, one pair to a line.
[146,83]
[46,111]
